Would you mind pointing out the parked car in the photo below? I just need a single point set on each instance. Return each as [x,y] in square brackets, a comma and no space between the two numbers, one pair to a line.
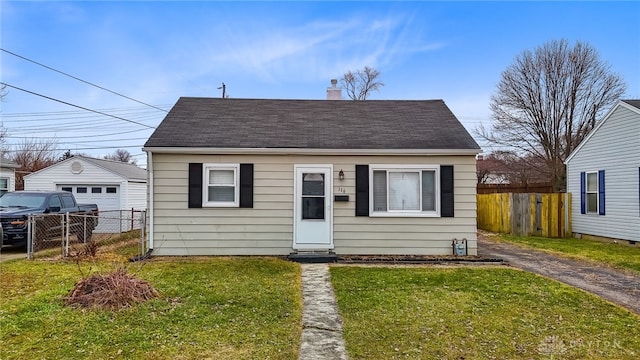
[15,208]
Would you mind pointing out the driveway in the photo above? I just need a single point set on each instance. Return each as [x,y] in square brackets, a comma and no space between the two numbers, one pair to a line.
[12,252]
[618,287]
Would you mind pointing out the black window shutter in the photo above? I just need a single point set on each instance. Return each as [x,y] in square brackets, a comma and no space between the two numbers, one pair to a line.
[195,185]
[246,185]
[601,210]
[583,194]
[362,190]
[446,190]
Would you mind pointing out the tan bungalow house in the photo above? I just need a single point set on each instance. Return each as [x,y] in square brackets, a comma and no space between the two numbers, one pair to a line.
[276,177]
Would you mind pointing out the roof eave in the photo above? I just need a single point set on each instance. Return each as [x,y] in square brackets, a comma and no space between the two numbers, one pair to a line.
[305,151]
[620,103]
[9,165]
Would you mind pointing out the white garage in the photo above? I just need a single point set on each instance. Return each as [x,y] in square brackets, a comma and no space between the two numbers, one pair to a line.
[116,187]
[107,197]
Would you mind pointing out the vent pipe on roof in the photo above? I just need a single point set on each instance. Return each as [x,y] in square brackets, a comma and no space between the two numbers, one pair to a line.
[224,90]
[334,92]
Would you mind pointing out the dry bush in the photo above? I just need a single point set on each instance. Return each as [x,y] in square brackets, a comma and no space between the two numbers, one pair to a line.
[89,249]
[112,291]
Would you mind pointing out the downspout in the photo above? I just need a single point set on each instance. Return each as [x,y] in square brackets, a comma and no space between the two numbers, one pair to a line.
[150,189]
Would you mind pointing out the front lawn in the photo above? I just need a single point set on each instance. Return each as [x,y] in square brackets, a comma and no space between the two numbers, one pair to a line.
[615,255]
[217,308]
[476,313]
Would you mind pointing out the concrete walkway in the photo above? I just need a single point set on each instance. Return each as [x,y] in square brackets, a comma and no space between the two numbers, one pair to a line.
[321,322]
[615,286]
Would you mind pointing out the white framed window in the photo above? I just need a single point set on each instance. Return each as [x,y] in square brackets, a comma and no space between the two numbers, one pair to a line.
[4,185]
[592,193]
[221,185]
[404,190]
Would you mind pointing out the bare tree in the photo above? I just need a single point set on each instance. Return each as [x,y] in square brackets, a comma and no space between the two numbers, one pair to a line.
[121,155]
[68,154]
[510,168]
[65,155]
[360,84]
[548,100]
[490,168]
[32,155]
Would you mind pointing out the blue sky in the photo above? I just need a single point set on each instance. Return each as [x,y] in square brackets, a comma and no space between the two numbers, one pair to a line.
[157,51]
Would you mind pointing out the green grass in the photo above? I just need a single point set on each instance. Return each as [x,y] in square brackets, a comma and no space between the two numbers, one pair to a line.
[218,308]
[614,255]
[476,313]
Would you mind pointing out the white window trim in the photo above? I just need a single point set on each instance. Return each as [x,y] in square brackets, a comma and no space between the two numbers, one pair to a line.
[400,168]
[587,192]
[8,185]
[205,185]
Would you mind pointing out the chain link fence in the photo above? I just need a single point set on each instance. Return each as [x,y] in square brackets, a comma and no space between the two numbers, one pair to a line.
[119,232]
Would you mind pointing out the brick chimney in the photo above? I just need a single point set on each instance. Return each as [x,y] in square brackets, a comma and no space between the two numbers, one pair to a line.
[334,92]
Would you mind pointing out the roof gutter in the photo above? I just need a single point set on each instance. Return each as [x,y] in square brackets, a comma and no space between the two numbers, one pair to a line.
[301,151]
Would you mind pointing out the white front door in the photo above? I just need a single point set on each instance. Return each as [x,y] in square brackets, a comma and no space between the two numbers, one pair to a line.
[312,207]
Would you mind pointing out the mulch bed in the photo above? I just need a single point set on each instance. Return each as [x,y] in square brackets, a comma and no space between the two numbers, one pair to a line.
[415,259]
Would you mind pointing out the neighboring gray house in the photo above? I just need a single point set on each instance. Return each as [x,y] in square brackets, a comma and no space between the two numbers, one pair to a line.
[603,174]
[274,177]
[7,175]
[113,185]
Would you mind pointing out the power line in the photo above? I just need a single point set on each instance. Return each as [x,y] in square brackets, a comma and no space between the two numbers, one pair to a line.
[76,119]
[72,112]
[76,149]
[78,106]
[84,81]
[80,115]
[73,137]
[84,143]
[77,125]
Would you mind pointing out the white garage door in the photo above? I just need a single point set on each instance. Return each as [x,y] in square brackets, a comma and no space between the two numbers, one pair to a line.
[107,197]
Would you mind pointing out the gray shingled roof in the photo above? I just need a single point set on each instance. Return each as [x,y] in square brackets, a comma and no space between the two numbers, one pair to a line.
[128,171]
[634,103]
[4,162]
[311,124]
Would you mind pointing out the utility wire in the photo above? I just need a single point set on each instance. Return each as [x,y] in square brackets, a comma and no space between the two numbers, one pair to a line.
[84,81]
[77,149]
[76,125]
[72,137]
[78,106]
[89,142]
[133,109]
[77,115]
[94,119]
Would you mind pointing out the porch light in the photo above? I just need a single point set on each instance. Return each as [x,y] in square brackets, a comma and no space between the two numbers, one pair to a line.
[341,175]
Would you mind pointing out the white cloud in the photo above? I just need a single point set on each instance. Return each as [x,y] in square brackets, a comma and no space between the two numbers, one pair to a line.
[319,49]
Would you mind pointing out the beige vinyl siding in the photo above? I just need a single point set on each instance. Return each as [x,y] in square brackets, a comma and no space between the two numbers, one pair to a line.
[267,228]
[615,148]
[407,235]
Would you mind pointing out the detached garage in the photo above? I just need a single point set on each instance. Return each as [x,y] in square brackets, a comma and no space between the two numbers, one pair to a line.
[113,185]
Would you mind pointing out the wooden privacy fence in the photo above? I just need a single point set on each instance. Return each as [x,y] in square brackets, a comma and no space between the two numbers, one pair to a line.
[547,215]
